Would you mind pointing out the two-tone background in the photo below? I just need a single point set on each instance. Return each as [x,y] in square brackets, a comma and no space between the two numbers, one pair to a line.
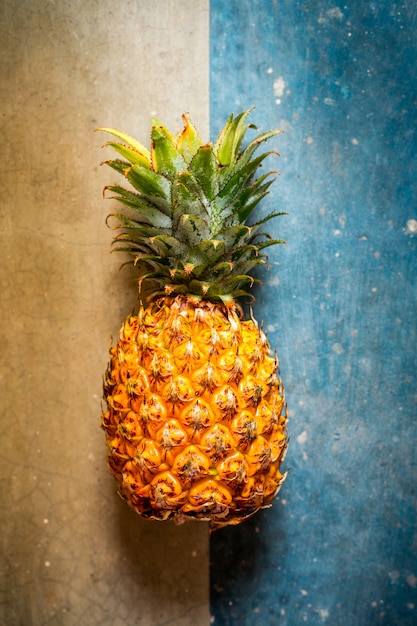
[339,546]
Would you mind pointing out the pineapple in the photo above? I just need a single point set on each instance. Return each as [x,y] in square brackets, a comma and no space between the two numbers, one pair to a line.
[195,418]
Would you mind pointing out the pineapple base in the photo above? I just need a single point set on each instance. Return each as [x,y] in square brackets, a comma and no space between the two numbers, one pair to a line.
[196,415]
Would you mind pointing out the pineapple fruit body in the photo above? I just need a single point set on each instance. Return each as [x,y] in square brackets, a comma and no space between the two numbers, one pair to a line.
[195,421]
[196,424]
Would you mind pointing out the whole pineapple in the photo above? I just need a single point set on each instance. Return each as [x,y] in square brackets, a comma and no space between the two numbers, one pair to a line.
[196,415]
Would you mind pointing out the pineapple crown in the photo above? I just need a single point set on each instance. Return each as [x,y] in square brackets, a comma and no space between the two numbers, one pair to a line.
[185,224]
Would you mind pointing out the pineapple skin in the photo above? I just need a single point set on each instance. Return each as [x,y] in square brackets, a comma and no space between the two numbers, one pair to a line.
[196,414]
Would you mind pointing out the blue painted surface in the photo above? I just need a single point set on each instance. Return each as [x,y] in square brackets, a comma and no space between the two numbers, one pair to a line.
[339,545]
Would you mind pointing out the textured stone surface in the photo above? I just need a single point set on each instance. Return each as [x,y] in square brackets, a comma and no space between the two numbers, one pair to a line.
[71,551]
[339,546]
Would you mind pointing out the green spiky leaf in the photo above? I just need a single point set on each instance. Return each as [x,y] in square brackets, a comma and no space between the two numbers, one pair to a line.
[138,227]
[166,159]
[236,236]
[230,139]
[225,201]
[207,252]
[184,201]
[141,206]
[186,212]
[192,229]
[118,165]
[154,187]
[130,141]
[132,156]
[205,169]
[189,140]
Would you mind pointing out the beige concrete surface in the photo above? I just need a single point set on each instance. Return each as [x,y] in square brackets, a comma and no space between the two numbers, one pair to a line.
[71,550]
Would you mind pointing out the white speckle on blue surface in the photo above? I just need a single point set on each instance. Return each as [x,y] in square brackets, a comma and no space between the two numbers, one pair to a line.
[335,13]
[324,614]
[274,282]
[394,576]
[302,437]
[411,227]
[279,87]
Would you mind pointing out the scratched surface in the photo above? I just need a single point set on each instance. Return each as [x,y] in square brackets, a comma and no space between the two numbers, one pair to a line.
[339,545]
[71,552]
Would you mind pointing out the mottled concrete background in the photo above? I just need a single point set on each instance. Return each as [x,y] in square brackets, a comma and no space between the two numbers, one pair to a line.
[340,545]
[72,553]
